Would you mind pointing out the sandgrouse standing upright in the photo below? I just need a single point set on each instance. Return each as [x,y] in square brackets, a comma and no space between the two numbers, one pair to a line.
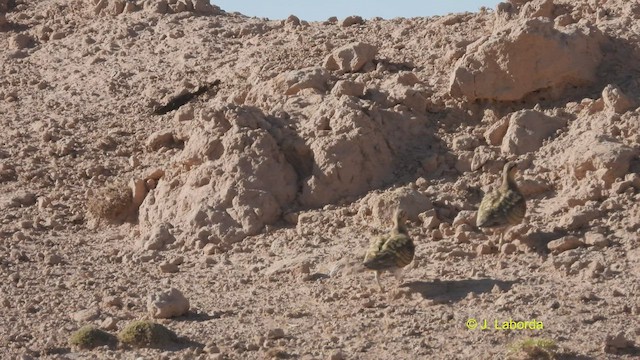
[391,251]
[503,207]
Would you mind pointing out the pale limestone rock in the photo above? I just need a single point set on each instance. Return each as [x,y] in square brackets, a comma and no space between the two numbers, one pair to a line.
[167,304]
[563,244]
[185,113]
[527,130]
[157,238]
[348,88]
[351,57]
[616,101]
[85,315]
[524,57]
[383,205]
[596,239]
[290,83]
[601,155]
[160,139]
[465,217]
[579,217]
[481,155]
[496,131]
[537,8]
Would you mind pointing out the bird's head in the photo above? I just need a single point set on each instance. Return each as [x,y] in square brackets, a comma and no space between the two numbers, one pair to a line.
[400,217]
[510,168]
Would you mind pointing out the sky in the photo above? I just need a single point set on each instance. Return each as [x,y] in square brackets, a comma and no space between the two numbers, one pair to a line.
[320,10]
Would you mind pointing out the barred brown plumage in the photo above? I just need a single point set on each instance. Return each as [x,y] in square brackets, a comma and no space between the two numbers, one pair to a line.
[392,251]
[504,206]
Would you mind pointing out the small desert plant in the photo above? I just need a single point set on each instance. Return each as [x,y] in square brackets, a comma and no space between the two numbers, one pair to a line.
[534,349]
[143,333]
[88,337]
[111,203]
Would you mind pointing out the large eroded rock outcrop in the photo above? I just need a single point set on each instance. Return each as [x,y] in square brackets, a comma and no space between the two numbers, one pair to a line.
[239,180]
[528,56]
[351,155]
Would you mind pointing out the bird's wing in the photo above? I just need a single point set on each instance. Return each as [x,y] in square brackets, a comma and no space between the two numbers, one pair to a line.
[397,251]
[515,207]
[487,209]
[375,246]
[501,208]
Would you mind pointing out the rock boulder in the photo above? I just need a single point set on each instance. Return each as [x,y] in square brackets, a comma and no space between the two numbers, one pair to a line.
[529,56]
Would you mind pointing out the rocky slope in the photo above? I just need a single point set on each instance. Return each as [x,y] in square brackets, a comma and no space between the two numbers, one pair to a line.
[257,198]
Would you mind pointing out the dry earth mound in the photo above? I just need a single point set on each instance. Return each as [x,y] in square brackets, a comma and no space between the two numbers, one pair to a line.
[256,198]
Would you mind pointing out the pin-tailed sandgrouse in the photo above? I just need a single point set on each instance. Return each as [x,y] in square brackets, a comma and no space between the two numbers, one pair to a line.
[391,251]
[504,206]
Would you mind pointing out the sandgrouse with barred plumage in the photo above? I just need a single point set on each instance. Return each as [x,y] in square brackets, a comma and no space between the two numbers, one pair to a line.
[391,251]
[503,207]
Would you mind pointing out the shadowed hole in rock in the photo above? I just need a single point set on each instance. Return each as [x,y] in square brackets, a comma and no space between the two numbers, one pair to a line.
[178,101]
[301,159]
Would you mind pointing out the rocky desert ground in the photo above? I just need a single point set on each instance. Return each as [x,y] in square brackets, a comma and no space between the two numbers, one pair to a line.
[222,176]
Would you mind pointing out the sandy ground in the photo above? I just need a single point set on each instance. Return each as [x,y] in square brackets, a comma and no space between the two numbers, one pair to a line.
[258,198]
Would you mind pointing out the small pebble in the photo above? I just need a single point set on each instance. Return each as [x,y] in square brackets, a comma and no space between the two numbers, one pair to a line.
[53,259]
[484,249]
[508,248]
[276,333]
[109,323]
[168,268]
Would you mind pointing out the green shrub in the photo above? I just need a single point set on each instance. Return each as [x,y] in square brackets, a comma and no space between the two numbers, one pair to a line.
[143,333]
[533,348]
[88,337]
